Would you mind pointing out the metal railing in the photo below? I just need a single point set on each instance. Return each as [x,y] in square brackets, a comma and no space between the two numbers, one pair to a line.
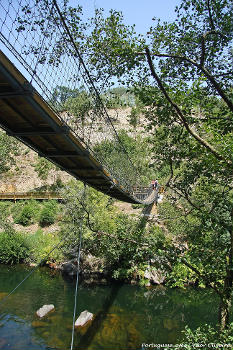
[29,195]
[39,42]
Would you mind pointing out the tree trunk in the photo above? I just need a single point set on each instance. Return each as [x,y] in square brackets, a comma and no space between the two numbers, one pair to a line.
[225,303]
[224,313]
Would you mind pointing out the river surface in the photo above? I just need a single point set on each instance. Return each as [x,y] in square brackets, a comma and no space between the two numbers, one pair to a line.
[125,316]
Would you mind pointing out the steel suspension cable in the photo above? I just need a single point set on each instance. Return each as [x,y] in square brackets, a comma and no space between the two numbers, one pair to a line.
[77,283]
[3,300]
[41,47]
[92,84]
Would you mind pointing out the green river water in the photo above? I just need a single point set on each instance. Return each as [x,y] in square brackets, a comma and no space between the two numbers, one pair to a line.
[125,316]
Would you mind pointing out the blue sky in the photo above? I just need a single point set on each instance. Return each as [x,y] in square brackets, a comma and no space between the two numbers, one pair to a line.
[139,12]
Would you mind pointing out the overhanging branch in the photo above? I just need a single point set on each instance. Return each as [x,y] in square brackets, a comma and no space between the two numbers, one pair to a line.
[206,73]
[180,114]
[203,277]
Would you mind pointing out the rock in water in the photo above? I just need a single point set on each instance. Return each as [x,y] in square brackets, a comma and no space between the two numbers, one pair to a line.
[155,276]
[44,310]
[83,318]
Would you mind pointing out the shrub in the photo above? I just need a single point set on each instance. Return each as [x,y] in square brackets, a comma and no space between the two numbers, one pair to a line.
[13,248]
[48,214]
[43,167]
[5,208]
[207,335]
[28,214]
[41,244]
[57,185]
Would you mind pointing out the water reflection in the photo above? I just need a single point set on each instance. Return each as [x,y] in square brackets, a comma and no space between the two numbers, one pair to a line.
[125,316]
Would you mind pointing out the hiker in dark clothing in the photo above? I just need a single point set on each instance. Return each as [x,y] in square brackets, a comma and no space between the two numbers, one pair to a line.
[154,184]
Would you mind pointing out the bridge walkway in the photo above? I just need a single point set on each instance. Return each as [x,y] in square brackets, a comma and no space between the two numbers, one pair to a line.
[29,195]
[25,115]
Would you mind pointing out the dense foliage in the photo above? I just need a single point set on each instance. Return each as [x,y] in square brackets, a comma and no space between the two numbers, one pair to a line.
[122,242]
[208,336]
[41,244]
[13,248]
[182,73]
[48,213]
[28,213]
[43,167]
[21,246]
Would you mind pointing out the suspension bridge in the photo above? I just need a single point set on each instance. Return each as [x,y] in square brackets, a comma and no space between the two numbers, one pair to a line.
[42,73]
[39,56]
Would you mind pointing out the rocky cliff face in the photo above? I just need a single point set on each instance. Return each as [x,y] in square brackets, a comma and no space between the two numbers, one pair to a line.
[22,177]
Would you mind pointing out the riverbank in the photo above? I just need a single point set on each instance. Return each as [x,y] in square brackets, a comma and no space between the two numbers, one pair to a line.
[31,229]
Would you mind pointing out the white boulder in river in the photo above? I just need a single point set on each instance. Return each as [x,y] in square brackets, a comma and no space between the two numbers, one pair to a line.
[44,310]
[83,318]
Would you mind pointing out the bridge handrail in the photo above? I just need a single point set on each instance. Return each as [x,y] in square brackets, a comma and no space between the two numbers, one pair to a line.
[49,57]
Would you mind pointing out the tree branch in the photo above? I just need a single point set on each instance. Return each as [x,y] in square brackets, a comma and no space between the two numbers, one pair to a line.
[203,41]
[210,15]
[99,233]
[203,277]
[185,196]
[202,59]
[180,114]
[171,173]
[217,87]
[206,73]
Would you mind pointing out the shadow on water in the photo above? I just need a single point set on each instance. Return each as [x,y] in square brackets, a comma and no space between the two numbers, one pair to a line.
[87,338]
[125,316]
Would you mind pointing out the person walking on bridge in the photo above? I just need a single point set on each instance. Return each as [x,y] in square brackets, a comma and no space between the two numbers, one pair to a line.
[154,184]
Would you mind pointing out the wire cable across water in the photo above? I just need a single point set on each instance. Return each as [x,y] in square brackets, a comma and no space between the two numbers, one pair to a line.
[77,283]
[31,272]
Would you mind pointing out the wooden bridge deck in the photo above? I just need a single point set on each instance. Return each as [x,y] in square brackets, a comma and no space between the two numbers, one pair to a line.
[26,116]
[30,195]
